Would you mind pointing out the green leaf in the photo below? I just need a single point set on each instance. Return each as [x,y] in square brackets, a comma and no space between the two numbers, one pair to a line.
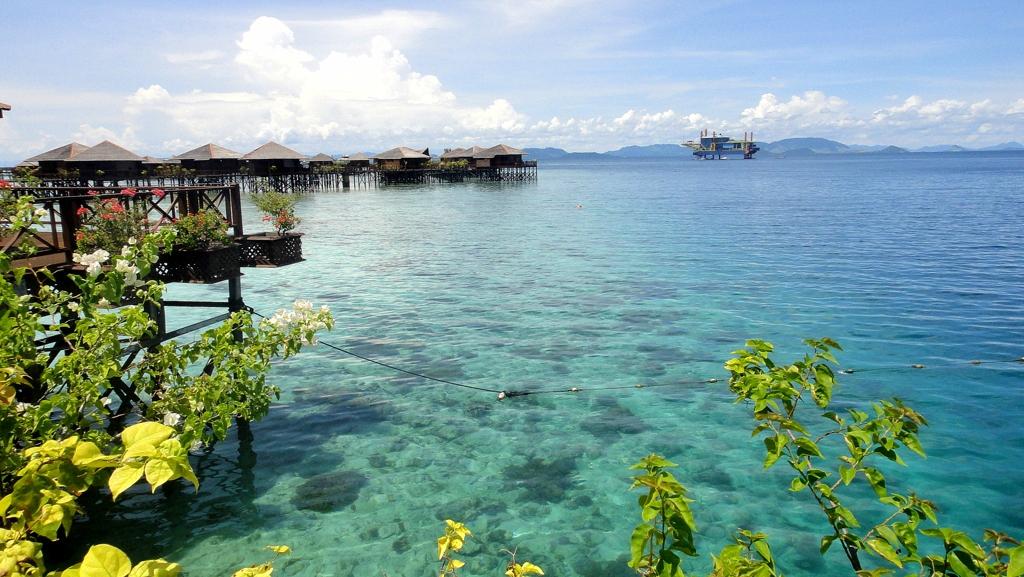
[763,550]
[886,550]
[637,542]
[877,481]
[124,477]
[847,474]
[1015,567]
[826,542]
[960,564]
[148,432]
[105,561]
[968,544]
[807,447]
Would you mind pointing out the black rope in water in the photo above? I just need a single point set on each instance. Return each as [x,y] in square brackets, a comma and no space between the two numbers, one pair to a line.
[512,394]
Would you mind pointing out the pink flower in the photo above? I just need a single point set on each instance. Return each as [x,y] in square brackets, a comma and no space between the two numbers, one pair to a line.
[158,193]
[4,183]
[93,193]
[82,211]
[128,191]
[266,218]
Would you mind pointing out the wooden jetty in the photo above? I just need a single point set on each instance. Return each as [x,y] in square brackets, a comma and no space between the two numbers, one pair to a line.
[271,165]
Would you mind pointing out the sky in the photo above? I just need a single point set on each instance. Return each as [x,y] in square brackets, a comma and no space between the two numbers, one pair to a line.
[340,77]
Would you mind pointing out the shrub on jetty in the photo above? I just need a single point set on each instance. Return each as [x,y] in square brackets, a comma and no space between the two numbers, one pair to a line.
[200,231]
[110,223]
[97,417]
[278,209]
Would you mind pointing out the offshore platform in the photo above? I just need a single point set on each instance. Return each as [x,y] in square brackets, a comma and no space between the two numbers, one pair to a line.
[721,147]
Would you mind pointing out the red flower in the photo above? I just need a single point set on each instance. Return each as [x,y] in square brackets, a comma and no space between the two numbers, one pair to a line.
[128,191]
[4,183]
[82,211]
[108,216]
[93,193]
[79,236]
[158,193]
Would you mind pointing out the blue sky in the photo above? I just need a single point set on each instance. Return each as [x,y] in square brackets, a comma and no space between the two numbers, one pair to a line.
[161,77]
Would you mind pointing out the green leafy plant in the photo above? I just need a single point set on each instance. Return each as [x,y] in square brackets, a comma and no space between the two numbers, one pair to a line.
[278,209]
[779,395]
[200,231]
[100,417]
[667,525]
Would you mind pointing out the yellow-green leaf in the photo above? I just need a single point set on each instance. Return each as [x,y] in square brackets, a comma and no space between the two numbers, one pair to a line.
[73,571]
[147,432]
[155,568]
[528,568]
[87,454]
[264,570]
[158,472]
[124,477]
[456,564]
[140,449]
[1015,568]
[280,549]
[105,561]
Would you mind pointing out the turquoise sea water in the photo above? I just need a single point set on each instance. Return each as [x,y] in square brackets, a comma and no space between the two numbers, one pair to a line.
[666,268]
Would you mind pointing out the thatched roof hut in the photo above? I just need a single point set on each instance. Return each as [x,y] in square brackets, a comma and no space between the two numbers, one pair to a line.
[498,156]
[320,159]
[359,159]
[466,154]
[402,158]
[106,161]
[274,158]
[3,107]
[211,159]
[52,162]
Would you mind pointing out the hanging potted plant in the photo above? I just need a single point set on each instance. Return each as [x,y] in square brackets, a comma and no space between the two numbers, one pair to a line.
[202,251]
[280,247]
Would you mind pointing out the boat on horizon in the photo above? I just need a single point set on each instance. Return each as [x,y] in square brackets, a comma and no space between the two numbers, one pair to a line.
[722,147]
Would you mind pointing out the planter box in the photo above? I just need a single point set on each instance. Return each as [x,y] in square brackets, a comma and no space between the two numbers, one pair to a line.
[198,266]
[267,249]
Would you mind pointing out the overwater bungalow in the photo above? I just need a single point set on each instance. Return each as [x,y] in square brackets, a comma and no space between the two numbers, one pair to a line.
[320,160]
[500,156]
[359,160]
[273,158]
[52,163]
[3,107]
[402,158]
[458,154]
[210,159]
[106,162]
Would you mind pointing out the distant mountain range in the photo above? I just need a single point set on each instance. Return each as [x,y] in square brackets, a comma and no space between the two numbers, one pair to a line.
[782,148]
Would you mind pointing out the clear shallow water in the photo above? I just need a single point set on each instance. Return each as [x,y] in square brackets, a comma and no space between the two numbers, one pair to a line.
[667,268]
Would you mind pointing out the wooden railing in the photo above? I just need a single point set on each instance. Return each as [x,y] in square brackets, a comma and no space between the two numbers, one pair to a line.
[67,207]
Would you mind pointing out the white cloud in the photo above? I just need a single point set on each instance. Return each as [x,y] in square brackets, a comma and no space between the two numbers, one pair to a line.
[371,96]
[813,108]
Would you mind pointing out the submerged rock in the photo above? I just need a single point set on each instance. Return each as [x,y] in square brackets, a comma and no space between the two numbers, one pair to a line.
[542,481]
[329,491]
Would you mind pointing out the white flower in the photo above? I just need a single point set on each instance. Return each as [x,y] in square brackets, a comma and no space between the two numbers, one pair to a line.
[103,304]
[130,271]
[132,241]
[93,262]
[41,212]
[73,306]
[106,401]
[172,419]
